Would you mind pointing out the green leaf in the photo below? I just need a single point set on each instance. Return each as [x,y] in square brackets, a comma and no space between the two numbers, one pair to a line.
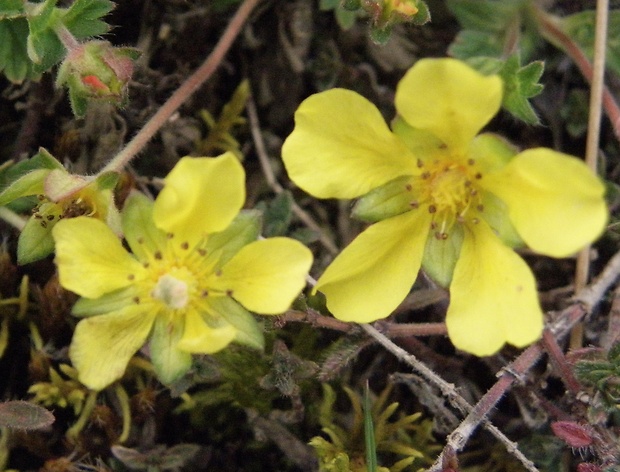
[35,241]
[369,433]
[581,27]
[14,61]
[520,84]
[83,17]
[277,214]
[44,47]
[485,15]
[384,202]
[11,9]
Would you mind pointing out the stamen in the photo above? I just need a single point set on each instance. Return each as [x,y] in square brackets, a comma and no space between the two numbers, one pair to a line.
[145,265]
[131,277]
[140,240]
[50,217]
[158,255]
[478,175]
[419,163]
[185,245]
[204,293]
[229,293]
[432,209]
[414,205]
[480,207]
[471,162]
[136,300]
[202,252]
[425,175]
[408,187]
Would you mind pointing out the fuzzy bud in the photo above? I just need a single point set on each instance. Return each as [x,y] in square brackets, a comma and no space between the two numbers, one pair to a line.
[96,70]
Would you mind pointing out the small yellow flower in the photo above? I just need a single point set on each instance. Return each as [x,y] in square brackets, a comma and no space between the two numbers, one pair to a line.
[443,198]
[195,269]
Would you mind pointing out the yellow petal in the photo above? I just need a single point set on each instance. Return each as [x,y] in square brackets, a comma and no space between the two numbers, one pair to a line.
[493,298]
[199,337]
[201,196]
[341,147]
[374,273]
[91,259]
[103,345]
[265,276]
[170,362]
[448,98]
[554,201]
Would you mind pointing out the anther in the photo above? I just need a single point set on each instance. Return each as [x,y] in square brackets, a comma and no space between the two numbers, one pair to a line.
[478,175]
[185,245]
[473,192]
[426,175]
[443,146]
[468,183]
[50,217]
[414,205]
[44,224]
[218,273]
[131,277]
[432,209]
[204,293]
[158,255]
[471,162]
[169,235]
[38,216]
[433,225]
[40,197]
[136,300]
[480,207]
[229,293]
[419,163]
[202,252]
[475,221]
[408,187]
[140,240]
[145,265]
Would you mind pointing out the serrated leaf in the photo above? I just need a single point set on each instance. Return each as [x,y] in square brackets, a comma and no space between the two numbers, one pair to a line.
[83,18]
[581,27]
[44,47]
[14,61]
[277,214]
[520,84]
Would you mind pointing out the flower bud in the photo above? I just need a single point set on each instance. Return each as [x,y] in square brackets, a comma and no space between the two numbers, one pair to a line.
[96,70]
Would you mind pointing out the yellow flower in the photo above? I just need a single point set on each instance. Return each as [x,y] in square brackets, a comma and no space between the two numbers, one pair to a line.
[443,198]
[195,269]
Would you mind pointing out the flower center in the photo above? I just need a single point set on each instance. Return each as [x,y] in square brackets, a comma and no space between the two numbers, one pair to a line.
[450,190]
[172,291]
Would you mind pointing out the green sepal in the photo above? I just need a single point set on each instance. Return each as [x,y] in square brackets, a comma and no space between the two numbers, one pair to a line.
[496,215]
[249,332]
[491,152]
[143,237]
[170,363]
[386,201]
[441,255]
[106,303]
[27,177]
[244,229]
[421,142]
[35,241]
[423,15]
[350,5]
[33,183]
[107,180]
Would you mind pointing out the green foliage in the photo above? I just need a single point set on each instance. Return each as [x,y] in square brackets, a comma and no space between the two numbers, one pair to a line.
[345,14]
[581,28]
[491,30]
[602,371]
[277,214]
[345,449]
[220,136]
[29,45]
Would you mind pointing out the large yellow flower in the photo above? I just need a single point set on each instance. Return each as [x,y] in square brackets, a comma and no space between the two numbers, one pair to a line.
[195,269]
[444,198]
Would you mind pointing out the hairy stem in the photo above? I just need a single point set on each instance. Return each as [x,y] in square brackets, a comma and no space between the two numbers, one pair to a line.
[191,84]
